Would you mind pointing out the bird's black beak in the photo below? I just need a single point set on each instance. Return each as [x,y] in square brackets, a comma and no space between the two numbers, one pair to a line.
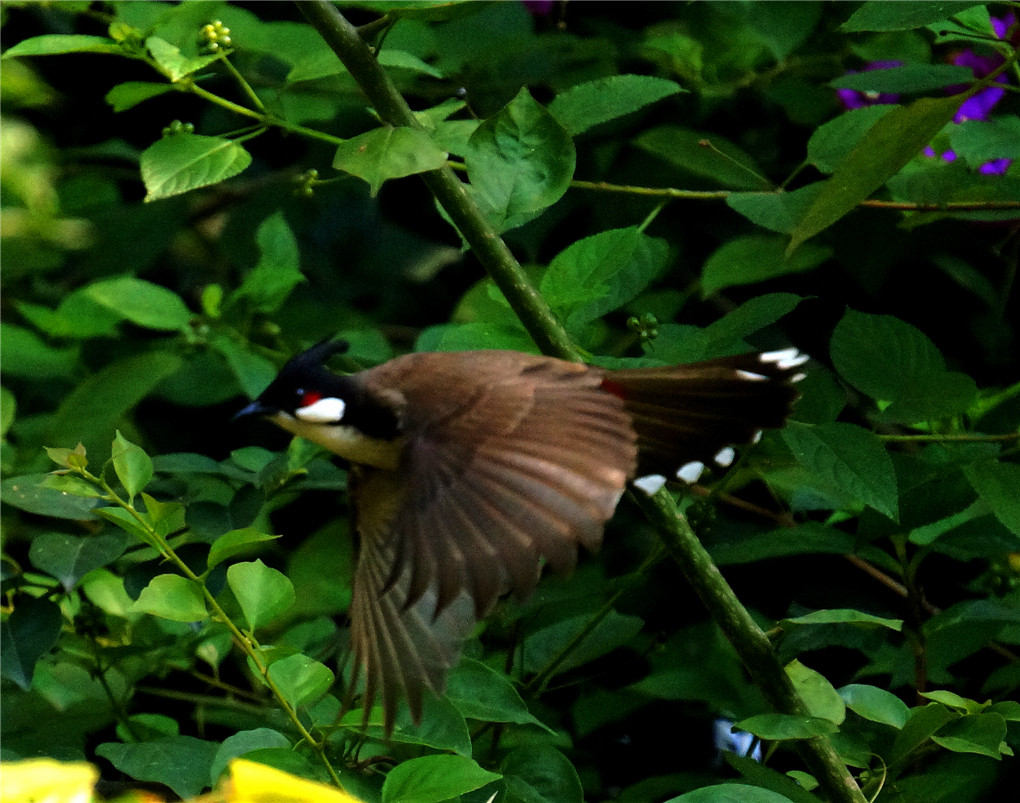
[254,410]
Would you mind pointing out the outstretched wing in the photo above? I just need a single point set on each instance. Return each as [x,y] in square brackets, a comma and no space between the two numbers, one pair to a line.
[530,465]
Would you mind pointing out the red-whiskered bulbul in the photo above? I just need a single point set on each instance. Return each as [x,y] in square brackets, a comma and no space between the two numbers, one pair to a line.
[467,468]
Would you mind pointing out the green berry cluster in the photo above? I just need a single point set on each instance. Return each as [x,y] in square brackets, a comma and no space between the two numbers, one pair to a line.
[215,36]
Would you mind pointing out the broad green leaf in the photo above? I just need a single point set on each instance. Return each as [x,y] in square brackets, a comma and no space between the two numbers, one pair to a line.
[388,152]
[68,558]
[8,410]
[142,303]
[71,484]
[776,211]
[953,700]
[301,680]
[786,726]
[480,692]
[178,163]
[848,461]
[908,78]
[402,60]
[540,773]
[252,371]
[173,597]
[91,412]
[586,105]
[520,161]
[845,616]
[430,779]
[131,464]
[806,539]
[792,788]
[980,141]
[29,492]
[886,147]
[821,699]
[892,361]
[180,762]
[998,484]
[57,44]
[129,94]
[235,542]
[174,64]
[278,271]
[612,631]
[706,155]
[470,336]
[919,728]
[27,634]
[601,273]
[875,704]
[731,793]
[756,258]
[262,592]
[725,336]
[882,16]
[983,734]
[24,354]
[242,743]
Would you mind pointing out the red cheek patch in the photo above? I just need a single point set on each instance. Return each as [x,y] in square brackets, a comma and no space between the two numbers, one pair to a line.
[310,397]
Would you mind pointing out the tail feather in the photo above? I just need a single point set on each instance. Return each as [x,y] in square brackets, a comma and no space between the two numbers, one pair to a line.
[691,412]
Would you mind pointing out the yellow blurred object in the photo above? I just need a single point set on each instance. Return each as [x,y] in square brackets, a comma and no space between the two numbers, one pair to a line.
[43,780]
[251,782]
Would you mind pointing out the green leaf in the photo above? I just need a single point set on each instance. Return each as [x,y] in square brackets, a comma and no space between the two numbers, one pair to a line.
[178,163]
[520,162]
[252,371]
[180,762]
[235,542]
[756,258]
[142,303]
[430,779]
[68,558]
[726,335]
[887,146]
[875,704]
[786,726]
[980,141]
[601,273]
[998,484]
[402,60]
[131,464]
[844,616]
[170,596]
[129,94]
[919,728]
[386,153]
[26,635]
[30,493]
[262,592]
[545,644]
[847,461]
[907,78]
[586,105]
[776,211]
[731,793]
[892,361]
[301,680]
[57,44]
[540,773]
[821,699]
[706,155]
[175,65]
[278,271]
[882,16]
[983,734]
[480,692]
[242,743]
[91,412]
[953,700]
[806,539]
[23,353]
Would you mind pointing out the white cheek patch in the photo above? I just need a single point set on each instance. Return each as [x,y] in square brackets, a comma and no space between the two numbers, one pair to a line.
[750,376]
[325,411]
[785,358]
[650,483]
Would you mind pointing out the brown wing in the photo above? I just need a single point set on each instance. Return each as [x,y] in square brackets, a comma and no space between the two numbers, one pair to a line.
[529,464]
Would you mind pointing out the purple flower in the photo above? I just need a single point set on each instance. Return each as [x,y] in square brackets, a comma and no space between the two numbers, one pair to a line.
[539,8]
[996,167]
[980,105]
[858,99]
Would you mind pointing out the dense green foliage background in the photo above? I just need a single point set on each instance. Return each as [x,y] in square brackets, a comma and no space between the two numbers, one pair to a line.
[193,192]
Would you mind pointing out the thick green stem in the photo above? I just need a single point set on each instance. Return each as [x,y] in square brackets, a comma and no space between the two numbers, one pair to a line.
[747,638]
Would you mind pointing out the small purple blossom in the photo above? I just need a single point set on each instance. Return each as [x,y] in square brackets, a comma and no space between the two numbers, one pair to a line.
[858,99]
[996,167]
[539,8]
